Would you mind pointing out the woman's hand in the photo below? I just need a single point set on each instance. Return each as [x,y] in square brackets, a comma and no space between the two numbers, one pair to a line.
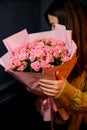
[51,87]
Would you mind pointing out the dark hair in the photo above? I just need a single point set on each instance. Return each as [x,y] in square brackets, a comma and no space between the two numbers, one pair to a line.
[71,13]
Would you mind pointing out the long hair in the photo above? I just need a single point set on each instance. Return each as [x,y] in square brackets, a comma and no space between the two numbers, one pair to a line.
[72,14]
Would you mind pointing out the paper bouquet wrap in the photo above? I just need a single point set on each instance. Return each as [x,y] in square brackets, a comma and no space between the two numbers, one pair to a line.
[30,79]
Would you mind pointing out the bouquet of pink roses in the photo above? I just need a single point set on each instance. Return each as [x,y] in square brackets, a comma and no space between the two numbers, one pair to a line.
[39,55]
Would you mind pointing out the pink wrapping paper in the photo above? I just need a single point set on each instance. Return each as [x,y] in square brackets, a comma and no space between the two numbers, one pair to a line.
[16,40]
[30,79]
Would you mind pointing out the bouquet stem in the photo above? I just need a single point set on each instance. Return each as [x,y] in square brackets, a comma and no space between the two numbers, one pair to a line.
[52,117]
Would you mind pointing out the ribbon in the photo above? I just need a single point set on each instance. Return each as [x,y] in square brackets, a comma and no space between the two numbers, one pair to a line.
[47,105]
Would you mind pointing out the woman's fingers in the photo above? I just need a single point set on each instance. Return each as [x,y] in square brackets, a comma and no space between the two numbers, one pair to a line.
[46,81]
[51,87]
[49,84]
[49,92]
[58,75]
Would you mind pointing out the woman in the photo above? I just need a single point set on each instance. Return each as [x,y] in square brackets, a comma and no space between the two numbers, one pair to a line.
[71,94]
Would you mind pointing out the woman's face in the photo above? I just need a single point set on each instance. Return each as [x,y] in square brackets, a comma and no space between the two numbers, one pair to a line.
[53,20]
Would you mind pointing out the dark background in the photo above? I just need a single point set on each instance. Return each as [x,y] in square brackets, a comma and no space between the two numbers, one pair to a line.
[17,105]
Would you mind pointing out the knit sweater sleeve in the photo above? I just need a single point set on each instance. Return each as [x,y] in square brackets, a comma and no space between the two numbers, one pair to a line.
[74,96]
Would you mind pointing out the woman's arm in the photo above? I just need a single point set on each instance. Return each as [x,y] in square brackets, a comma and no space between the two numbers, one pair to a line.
[71,97]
